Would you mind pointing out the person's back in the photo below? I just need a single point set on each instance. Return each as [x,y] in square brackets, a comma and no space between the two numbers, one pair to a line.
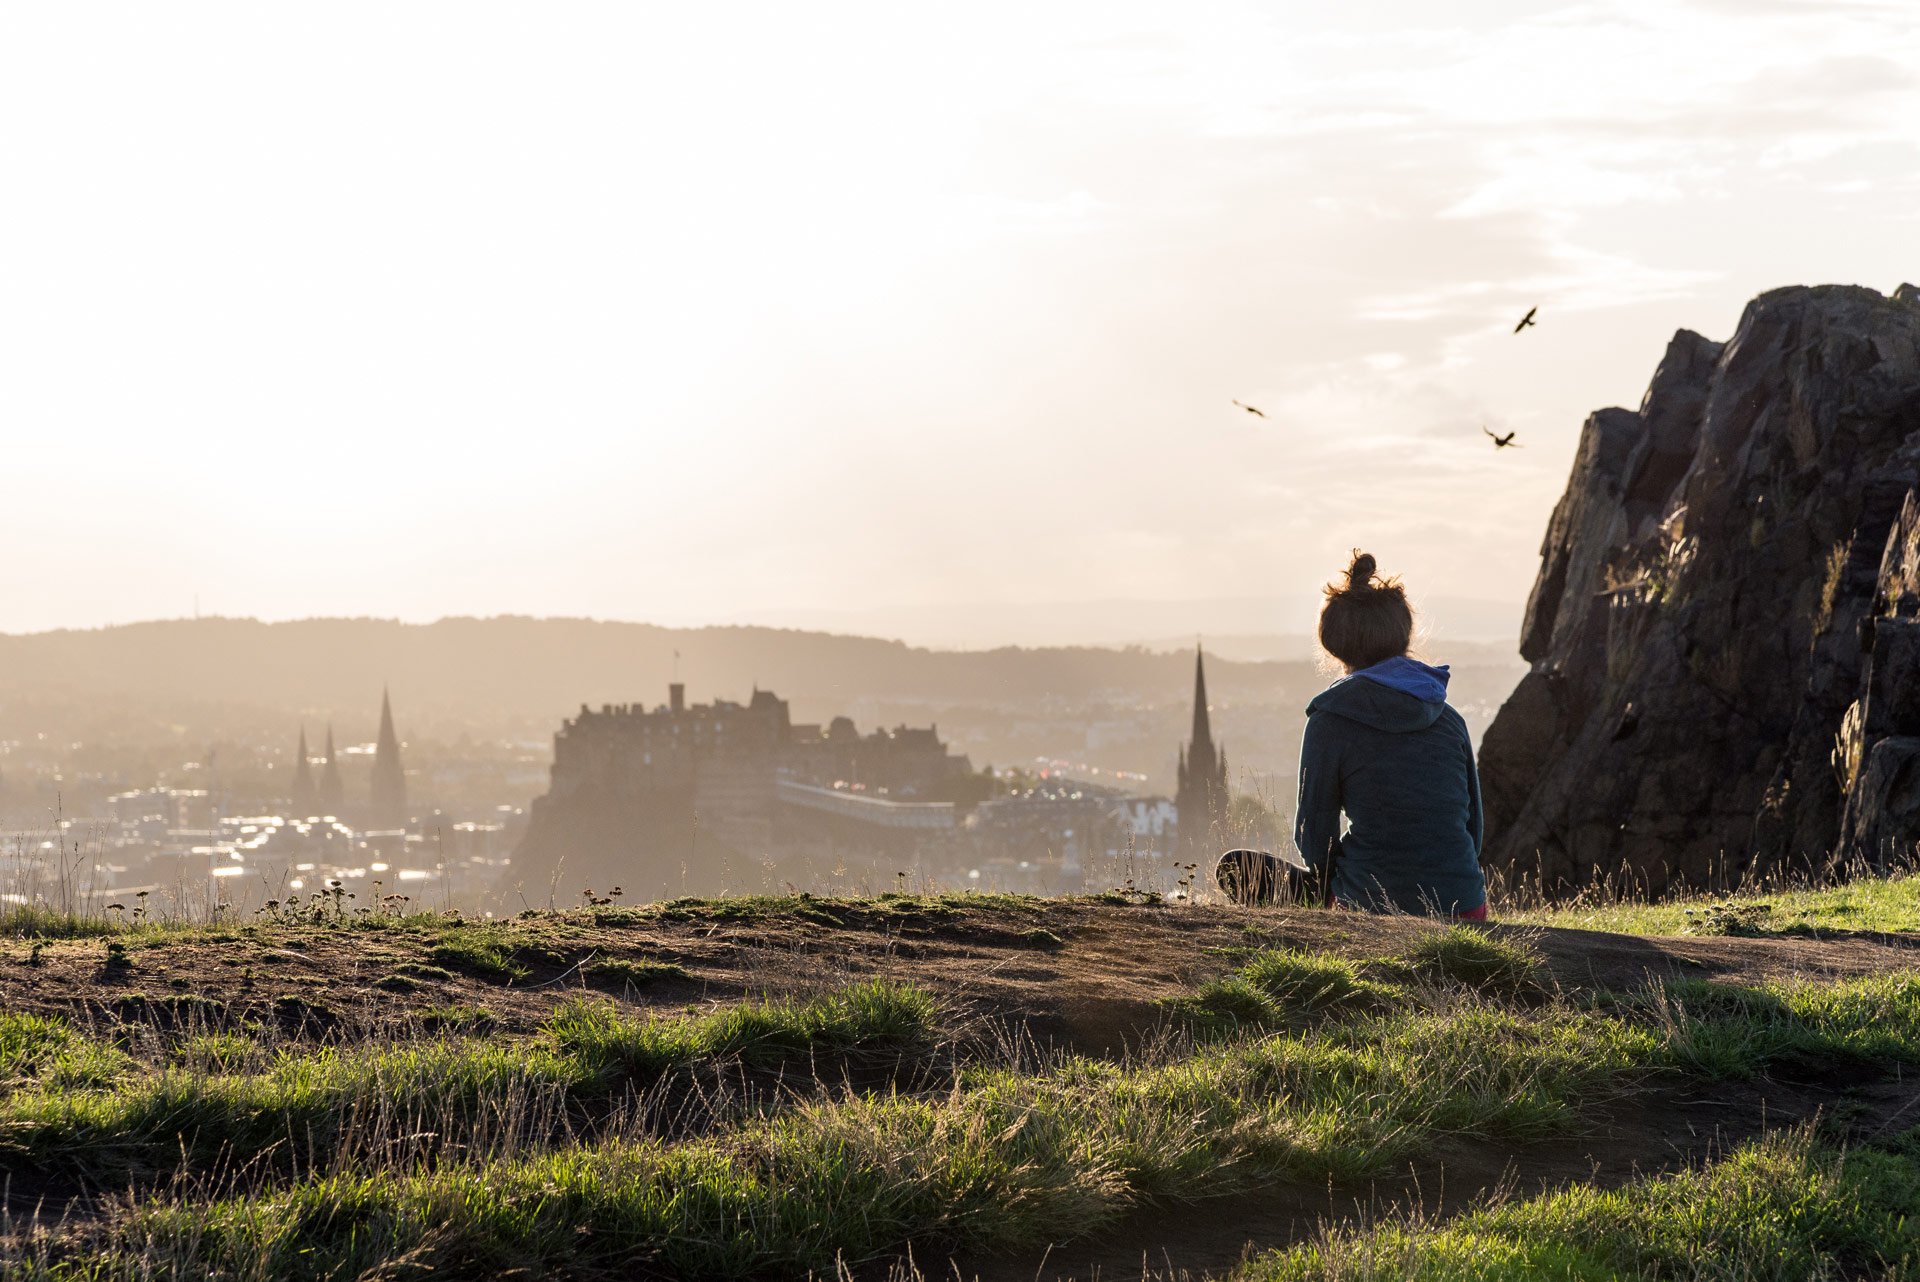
[1383,747]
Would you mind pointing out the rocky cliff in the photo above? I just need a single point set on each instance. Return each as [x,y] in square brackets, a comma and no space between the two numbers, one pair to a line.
[1725,632]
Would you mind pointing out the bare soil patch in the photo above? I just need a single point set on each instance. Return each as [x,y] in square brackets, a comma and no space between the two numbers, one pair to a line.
[1074,974]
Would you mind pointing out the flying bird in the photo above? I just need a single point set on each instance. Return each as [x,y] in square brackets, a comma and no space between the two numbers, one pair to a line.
[1502,442]
[1251,410]
[1525,320]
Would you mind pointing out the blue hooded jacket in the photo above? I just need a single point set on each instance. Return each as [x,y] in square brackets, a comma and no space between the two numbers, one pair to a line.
[1383,746]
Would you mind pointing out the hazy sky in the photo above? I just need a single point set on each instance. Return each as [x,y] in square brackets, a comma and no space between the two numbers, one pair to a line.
[796,312]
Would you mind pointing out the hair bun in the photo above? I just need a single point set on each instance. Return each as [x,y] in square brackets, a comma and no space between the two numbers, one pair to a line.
[1360,573]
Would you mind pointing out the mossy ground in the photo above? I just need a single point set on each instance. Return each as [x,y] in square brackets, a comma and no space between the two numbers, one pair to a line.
[780,1086]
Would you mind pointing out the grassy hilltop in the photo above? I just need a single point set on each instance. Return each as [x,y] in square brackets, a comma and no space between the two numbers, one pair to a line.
[1010,1087]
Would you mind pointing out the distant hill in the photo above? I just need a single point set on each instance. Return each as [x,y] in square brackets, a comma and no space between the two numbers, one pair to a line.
[979,625]
[524,667]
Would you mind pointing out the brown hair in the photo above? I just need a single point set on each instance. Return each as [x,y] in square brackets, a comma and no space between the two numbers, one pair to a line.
[1367,620]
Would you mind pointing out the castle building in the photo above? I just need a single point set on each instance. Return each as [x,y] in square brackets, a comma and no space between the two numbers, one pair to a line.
[1201,798]
[687,798]
[388,805]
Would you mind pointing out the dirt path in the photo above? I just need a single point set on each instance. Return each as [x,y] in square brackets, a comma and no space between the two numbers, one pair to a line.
[1079,975]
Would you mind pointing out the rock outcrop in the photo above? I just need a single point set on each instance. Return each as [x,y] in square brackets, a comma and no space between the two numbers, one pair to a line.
[1725,632]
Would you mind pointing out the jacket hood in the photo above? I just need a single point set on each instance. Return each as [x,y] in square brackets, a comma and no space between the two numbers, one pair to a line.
[1400,695]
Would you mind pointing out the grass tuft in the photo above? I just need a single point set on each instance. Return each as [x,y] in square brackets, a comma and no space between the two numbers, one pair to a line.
[45,1051]
[1281,986]
[1865,904]
[875,1019]
[307,1103]
[420,970]
[634,974]
[1461,956]
[480,952]
[1781,1210]
[37,921]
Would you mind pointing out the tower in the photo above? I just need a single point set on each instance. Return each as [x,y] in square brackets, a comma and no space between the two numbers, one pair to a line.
[301,796]
[388,807]
[332,796]
[1201,797]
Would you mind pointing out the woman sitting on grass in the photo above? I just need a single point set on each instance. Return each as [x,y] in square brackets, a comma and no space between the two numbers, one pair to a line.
[1383,746]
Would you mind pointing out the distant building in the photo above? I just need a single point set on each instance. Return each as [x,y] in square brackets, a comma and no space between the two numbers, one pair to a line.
[1149,821]
[303,796]
[387,807]
[1049,831]
[1201,798]
[331,797]
[705,797]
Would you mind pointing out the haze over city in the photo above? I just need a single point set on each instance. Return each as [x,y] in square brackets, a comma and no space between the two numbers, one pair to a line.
[877,318]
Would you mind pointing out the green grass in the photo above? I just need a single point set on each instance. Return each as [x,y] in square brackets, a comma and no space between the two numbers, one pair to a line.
[480,951]
[1009,1159]
[36,921]
[420,970]
[774,1137]
[1729,1031]
[874,1018]
[45,1051]
[306,1102]
[218,1052]
[1277,987]
[1002,1159]
[1869,904]
[43,923]
[1781,1210]
[1461,956]
[634,974]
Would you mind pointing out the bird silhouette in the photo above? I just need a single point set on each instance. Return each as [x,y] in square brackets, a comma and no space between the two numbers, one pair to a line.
[1525,320]
[1251,410]
[1502,442]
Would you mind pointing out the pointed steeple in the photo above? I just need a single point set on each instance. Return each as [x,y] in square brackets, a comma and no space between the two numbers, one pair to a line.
[389,800]
[302,795]
[332,796]
[1202,723]
[1201,797]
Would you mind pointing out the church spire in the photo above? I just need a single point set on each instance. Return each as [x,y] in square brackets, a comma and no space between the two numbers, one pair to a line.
[1202,724]
[333,792]
[389,800]
[1201,798]
[301,794]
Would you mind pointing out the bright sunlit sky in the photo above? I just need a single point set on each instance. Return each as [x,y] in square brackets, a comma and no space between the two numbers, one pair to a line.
[895,317]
